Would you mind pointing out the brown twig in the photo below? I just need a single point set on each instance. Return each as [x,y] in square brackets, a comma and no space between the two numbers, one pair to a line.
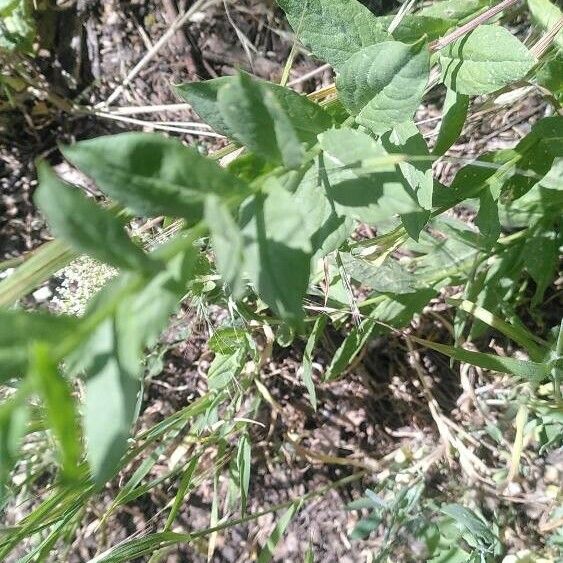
[471,25]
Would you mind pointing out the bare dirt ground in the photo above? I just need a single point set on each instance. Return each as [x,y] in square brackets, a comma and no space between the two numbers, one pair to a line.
[377,412]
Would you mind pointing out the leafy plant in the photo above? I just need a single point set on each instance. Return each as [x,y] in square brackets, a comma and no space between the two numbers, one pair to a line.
[274,224]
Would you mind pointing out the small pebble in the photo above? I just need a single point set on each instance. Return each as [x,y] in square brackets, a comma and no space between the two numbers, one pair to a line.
[42,294]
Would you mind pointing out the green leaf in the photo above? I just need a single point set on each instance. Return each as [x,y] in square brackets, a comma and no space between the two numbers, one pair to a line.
[534,157]
[397,310]
[326,229]
[414,27]
[454,115]
[244,466]
[224,369]
[20,329]
[111,360]
[277,251]
[228,244]
[183,488]
[478,532]
[85,225]
[227,340]
[484,61]
[353,344]
[550,76]
[383,84]
[553,180]
[333,29]
[14,415]
[546,14]
[307,118]
[270,121]
[454,9]
[59,406]
[388,277]
[202,96]
[488,217]
[153,175]
[259,122]
[358,193]
[529,371]
[6,6]
[307,367]
[520,335]
[406,139]
[112,394]
[17,27]
[268,550]
[540,257]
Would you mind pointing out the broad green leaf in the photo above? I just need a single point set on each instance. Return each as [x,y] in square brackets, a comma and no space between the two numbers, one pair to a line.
[529,371]
[277,251]
[85,225]
[454,114]
[307,367]
[488,217]
[59,406]
[227,243]
[454,9]
[350,146]
[353,344]
[153,175]
[398,310]
[540,257]
[259,122]
[363,194]
[382,85]
[388,277]
[550,76]
[244,466]
[406,139]
[327,229]
[414,27]
[271,121]
[553,180]
[446,261]
[333,29]
[308,118]
[268,550]
[484,61]
[202,96]
[111,361]
[534,157]
[112,395]
[546,14]
[20,329]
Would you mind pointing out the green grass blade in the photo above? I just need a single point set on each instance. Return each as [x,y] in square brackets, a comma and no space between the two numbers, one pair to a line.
[529,371]
[39,267]
[267,552]
[519,334]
